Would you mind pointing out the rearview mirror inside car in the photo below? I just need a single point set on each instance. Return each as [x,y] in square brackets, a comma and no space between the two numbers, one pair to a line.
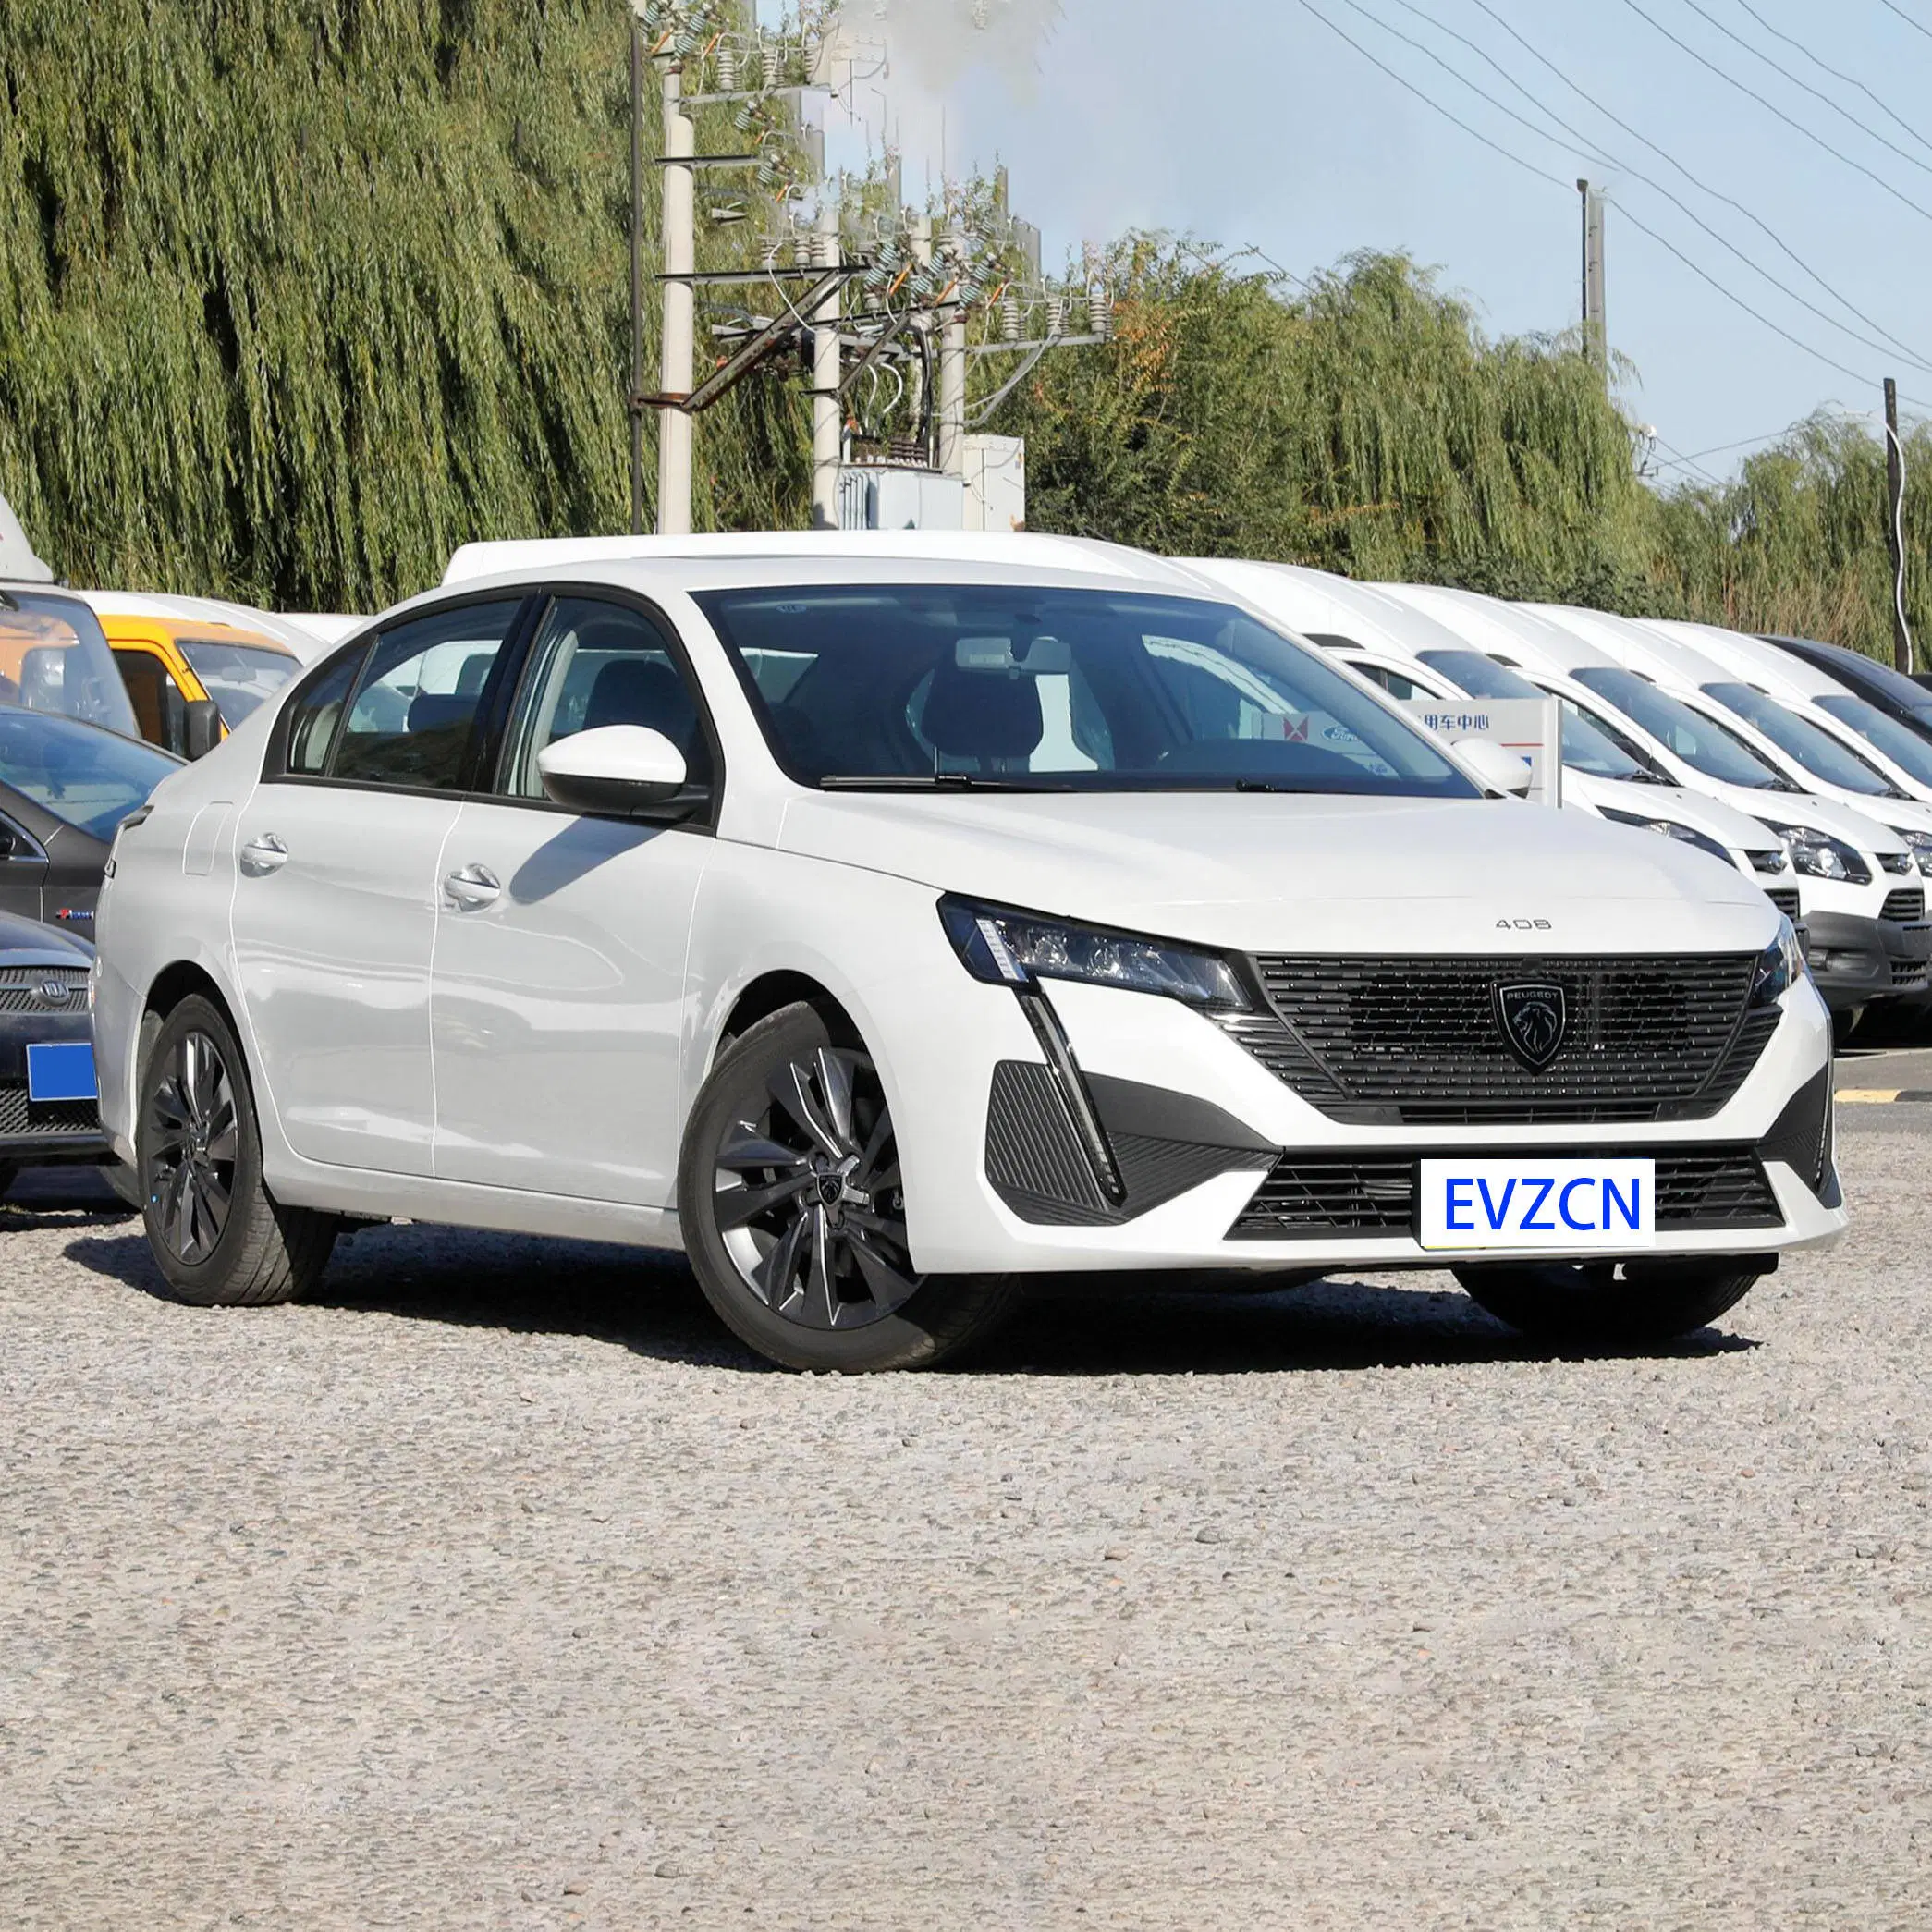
[1491,766]
[620,771]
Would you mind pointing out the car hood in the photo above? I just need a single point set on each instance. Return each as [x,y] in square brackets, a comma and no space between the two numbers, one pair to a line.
[1711,817]
[26,942]
[1264,873]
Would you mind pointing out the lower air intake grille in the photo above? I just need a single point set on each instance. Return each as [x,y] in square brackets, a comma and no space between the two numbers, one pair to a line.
[1907,973]
[1906,905]
[21,1119]
[1312,1196]
[1421,1041]
[1785,898]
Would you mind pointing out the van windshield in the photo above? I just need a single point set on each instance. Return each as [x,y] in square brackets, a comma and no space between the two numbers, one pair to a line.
[1815,749]
[54,656]
[237,677]
[1702,743]
[1022,688]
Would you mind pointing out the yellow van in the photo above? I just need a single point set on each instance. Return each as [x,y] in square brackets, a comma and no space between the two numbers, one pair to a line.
[192,682]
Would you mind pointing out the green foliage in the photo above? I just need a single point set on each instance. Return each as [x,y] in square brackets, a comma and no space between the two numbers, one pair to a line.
[296,295]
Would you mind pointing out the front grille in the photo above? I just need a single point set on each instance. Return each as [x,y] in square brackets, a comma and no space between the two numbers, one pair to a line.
[21,1119]
[1418,1042]
[1310,1196]
[1785,898]
[1908,973]
[1906,905]
[21,989]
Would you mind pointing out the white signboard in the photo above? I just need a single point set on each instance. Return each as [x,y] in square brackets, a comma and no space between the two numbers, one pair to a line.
[1532,727]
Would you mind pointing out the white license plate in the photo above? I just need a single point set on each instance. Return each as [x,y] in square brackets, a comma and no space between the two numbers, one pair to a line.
[1557,1206]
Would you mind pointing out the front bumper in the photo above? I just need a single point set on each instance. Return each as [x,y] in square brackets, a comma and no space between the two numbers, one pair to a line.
[1856,960]
[1221,1176]
[44,1132]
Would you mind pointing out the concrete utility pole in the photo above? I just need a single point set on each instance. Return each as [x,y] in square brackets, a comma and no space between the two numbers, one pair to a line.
[637,276]
[680,298]
[1895,528]
[1597,338]
[951,454]
[827,421]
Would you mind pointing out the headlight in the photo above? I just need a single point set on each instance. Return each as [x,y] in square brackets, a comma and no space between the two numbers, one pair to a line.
[1685,834]
[1781,965]
[1920,846]
[1015,948]
[1819,856]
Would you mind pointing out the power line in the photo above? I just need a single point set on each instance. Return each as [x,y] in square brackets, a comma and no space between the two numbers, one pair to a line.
[1771,107]
[1804,86]
[1429,101]
[1825,67]
[1609,160]
[1756,221]
[1917,27]
[1677,460]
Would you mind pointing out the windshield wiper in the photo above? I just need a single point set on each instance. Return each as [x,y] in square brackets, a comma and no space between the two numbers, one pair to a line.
[929,781]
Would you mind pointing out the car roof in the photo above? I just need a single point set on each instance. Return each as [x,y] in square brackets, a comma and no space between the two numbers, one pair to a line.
[1315,601]
[287,631]
[998,549]
[192,630]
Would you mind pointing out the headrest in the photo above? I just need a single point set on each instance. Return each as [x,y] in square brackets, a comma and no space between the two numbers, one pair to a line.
[641,690]
[474,674]
[438,711]
[982,714]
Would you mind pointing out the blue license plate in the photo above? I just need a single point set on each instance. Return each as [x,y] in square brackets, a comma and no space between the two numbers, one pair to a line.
[61,1069]
[1567,1206]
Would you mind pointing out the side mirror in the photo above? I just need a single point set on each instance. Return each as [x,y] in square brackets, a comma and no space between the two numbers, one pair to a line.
[9,842]
[1490,765]
[620,771]
[201,727]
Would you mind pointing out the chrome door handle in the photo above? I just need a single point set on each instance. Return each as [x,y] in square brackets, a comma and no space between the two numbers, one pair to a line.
[263,855]
[473,886]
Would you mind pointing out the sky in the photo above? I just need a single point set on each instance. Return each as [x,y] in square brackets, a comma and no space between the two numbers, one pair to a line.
[1254,124]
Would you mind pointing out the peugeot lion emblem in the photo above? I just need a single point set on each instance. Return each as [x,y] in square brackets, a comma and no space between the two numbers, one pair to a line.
[1533,1020]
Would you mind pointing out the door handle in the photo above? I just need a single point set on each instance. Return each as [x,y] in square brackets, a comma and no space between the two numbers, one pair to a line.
[473,887]
[262,855]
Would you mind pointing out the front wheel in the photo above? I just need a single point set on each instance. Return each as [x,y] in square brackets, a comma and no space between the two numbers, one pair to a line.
[217,1235]
[793,1214]
[1609,1302]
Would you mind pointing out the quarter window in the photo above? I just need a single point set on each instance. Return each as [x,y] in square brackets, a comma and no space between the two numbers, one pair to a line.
[413,719]
[315,715]
[593,665]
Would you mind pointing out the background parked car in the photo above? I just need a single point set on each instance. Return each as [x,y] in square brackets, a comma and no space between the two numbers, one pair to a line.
[48,1112]
[64,787]
[192,682]
[55,657]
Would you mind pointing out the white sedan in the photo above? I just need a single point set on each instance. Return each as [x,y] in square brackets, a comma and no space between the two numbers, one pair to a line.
[887,932]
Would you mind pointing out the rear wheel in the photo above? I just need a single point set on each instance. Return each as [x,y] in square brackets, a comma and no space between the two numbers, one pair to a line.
[792,1204]
[215,1234]
[1609,1302]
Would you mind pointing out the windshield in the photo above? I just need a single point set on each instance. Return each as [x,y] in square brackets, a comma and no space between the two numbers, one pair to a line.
[1479,676]
[1043,689]
[1585,749]
[1899,742]
[237,677]
[54,656]
[88,777]
[1816,751]
[1702,743]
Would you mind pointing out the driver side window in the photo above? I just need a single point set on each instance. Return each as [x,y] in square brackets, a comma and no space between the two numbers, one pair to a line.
[595,664]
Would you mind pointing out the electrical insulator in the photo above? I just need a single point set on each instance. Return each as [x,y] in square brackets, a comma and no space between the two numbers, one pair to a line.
[1100,312]
[727,70]
[773,64]
[1010,317]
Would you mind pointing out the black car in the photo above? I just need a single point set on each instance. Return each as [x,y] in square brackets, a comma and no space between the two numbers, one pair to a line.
[48,1112]
[64,789]
[1890,692]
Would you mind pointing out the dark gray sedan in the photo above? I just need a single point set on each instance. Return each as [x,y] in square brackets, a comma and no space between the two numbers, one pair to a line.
[48,1109]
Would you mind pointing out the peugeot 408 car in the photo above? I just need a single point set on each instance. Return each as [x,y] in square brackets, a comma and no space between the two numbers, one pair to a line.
[885,932]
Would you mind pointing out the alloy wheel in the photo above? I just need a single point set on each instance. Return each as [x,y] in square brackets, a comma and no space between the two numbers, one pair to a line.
[193,1138]
[808,1196]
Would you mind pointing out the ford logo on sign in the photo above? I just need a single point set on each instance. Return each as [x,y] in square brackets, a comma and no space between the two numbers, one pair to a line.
[1533,1020]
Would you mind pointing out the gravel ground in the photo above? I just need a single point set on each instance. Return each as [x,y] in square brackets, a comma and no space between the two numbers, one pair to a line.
[495,1588]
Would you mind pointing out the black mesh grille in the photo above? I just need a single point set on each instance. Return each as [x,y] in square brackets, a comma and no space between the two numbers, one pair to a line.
[1307,1196]
[1907,972]
[1419,1042]
[1785,898]
[1906,905]
[21,989]
[22,1118]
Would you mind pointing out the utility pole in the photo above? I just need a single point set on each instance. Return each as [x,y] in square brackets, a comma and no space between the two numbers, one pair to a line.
[681,296]
[827,421]
[637,275]
[952,384]
[1596,339]
[1895,528]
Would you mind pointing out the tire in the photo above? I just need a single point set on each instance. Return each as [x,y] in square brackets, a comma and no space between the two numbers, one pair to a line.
[217,1237]
[1608,1303]
[798,1118]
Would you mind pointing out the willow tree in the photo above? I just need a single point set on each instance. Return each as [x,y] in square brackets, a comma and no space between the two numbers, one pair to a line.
[297,295]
